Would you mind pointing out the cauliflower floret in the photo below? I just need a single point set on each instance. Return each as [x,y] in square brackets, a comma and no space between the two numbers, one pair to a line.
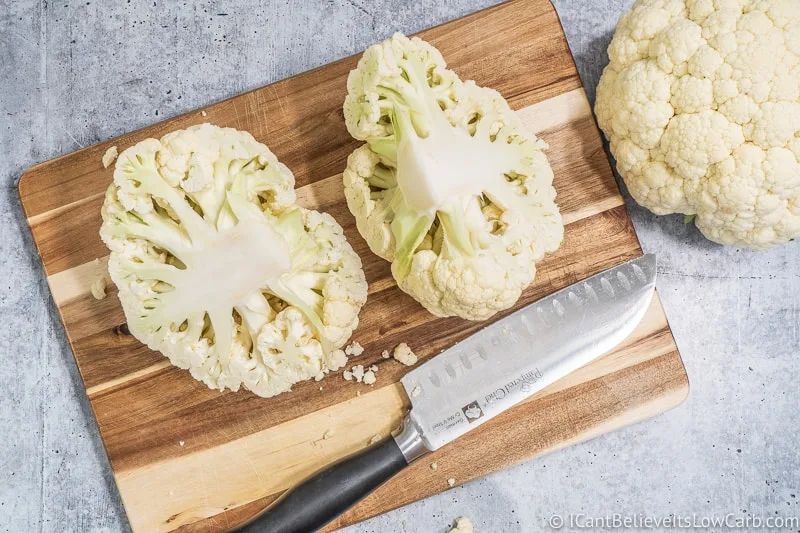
[701,104]
[218,270]
[450,187]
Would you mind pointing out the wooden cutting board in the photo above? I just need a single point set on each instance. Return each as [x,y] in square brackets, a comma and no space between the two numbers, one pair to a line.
[191,459]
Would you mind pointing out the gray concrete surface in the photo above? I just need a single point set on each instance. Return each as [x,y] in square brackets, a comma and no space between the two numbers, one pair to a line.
[74,73]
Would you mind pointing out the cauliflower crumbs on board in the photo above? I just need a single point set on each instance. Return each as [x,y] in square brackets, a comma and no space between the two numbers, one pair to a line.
[415,391]
[328,434]
[434,466]
[354,349]
[405,355]
[369,377]
[109,156]
[385,354]
[99,288]
[451,482]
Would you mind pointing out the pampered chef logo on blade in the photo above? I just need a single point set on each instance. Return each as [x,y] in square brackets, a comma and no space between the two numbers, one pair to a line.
[472,412]
[524,383]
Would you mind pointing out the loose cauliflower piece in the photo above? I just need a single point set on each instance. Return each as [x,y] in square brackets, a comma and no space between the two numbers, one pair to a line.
[450,187]
[463,524]
[220,271]
[701,104]
[98,288]
[109,156]
[403,354]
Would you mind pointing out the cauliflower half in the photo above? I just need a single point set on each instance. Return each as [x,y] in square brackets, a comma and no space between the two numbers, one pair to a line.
[701,104]
[219,270]
[450,187]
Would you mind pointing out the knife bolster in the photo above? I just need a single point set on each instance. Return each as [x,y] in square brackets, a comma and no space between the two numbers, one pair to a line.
[409,440]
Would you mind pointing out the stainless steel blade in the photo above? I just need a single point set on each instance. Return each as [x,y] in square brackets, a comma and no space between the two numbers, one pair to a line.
[512,359]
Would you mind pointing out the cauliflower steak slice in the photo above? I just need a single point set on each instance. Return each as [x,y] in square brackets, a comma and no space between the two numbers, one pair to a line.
[219,270]
[450,187]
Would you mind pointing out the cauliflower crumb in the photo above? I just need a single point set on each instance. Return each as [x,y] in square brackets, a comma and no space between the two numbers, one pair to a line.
[403,354]
[337,359]
[375,439]
[99,288]
[451,482]
[320,389]
[328,434]
[110,156]
[347,375]
[434,467]
[463,525]
[415,392]
[358,393]
[319,377]
[181,443]
[203,113]
[354,349]
[369,377]
[358,373]
[385,354]
[374,368]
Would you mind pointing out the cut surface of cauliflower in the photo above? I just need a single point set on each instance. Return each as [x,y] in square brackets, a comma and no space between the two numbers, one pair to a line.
[701,104]
[219,270]
[449,186]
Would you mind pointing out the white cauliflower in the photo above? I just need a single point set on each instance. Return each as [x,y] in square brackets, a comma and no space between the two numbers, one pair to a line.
[220,271]
[701,104]
[403,354]
[450,187]
[463,525]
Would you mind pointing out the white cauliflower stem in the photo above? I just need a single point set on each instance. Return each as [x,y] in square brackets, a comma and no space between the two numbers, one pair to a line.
[701,105]
[219,270]
[450,188]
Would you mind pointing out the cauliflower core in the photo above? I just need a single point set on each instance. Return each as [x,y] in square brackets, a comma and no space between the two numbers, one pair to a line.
[701,104]
[450,188]
[219,270]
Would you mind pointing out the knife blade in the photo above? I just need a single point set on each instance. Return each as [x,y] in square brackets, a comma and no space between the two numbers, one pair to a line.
[475,380]
[519,355]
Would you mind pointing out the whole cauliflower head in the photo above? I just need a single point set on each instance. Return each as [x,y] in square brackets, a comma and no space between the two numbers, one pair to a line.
[219,270]
[449,186]
[701,104]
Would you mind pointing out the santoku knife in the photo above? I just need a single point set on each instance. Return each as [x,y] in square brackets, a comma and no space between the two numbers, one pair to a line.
[475,380]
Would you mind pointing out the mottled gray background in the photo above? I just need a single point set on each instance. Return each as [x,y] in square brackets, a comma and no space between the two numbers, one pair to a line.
[75,73]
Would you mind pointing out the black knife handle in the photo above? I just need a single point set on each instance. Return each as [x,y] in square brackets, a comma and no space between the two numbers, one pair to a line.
[325,495]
